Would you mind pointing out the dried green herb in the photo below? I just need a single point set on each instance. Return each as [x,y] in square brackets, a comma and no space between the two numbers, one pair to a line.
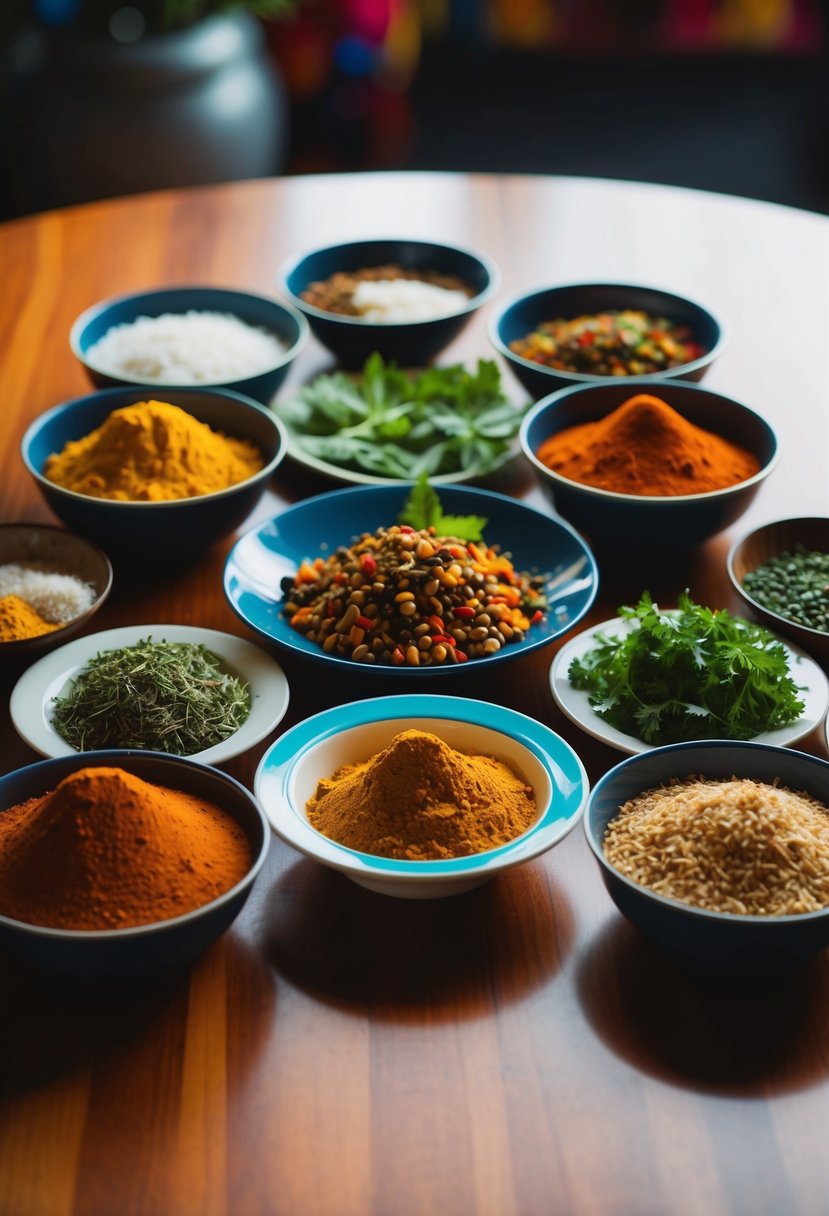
[159,696]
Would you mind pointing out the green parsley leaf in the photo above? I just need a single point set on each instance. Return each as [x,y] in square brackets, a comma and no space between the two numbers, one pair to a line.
[422,509]
[694,673]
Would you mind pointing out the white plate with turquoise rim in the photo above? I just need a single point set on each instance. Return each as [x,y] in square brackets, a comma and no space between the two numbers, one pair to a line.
[575,704]
[289,771]
[32,698]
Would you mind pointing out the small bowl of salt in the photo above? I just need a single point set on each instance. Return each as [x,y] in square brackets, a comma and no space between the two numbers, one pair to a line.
[52,582]
[190,337]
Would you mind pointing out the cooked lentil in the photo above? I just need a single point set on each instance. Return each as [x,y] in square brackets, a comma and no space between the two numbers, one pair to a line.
[404,597]
[737,846]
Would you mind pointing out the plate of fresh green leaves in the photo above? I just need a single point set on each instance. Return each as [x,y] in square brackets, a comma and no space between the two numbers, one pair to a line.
[387,425]
[652,677]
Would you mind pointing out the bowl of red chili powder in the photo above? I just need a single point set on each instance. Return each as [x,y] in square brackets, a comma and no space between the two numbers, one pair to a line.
[120,861]
[653,466]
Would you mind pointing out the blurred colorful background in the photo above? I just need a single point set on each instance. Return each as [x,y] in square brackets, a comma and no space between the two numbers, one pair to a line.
[726,95]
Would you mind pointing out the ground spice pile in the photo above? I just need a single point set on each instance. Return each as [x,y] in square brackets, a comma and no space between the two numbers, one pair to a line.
[736,846]
[20,620]
[646,447]
[421,800]
[106,850]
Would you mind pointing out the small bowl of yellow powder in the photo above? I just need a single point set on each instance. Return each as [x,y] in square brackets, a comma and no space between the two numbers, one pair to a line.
[51,584]
[719,852]
[421,796]
[167,474]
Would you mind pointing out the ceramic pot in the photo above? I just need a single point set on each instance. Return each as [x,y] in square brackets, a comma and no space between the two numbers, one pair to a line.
[102,118]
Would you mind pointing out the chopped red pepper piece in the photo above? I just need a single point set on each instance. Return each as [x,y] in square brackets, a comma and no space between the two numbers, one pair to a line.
[463,613]
[368,565]
[365,622]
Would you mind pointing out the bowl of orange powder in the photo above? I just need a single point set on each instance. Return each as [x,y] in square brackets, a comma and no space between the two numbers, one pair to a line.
[420,796]
[120,861]
[648,465]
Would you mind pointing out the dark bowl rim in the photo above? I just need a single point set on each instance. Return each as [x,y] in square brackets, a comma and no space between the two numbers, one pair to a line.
[95,310]
[20,645]
[475,302]
[51,487]
[91,936]
[616,496]
[786,624]
[675,905]
[579,378]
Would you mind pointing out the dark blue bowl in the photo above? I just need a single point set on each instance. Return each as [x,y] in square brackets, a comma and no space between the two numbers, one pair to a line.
[410,343]
[289,326]
[521,314]
[274,549]
[638,521]
[722,944]
[181,526]
[144,948]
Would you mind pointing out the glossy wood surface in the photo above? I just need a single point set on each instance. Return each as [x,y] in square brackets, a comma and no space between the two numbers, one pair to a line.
[516,1051]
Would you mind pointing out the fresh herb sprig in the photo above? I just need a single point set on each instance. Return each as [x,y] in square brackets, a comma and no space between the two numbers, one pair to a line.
[422,509]
[694,673]
[159,696]
[391,424]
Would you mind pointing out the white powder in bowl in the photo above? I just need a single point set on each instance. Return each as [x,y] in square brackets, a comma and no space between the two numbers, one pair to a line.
[405,300]
[186,348]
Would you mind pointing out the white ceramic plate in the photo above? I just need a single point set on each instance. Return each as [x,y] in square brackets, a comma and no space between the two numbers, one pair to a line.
[575,704]
[31,700]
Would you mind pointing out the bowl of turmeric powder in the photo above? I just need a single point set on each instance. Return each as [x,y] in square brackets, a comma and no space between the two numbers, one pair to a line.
[168,475]
[421,796]
[657,466]
[122,861]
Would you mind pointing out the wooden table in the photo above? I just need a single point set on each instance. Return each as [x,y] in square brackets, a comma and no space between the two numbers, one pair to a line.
[518,1050]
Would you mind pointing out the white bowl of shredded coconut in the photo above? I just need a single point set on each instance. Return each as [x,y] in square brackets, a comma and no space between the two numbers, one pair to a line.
[190,337]
[718,851]
[50,575]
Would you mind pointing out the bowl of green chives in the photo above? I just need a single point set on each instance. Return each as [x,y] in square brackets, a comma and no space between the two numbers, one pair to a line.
[780,571]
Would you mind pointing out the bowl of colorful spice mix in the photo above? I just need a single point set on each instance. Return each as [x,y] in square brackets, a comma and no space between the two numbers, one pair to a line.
[405,299]
[179,689]
[198,337]
[781,572]
[719,852]
[388,579]
[665,465]
[52,582]
[421,796]
[578,333]
[123,861]
[168,476]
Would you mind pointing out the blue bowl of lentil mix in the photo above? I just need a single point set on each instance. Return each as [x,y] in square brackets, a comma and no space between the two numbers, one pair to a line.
[675,324]
[266,561]
[781,573]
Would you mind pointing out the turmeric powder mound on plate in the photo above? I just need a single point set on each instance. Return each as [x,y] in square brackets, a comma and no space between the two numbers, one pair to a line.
[152,451]
[646,447]
[107,850]
[421,800]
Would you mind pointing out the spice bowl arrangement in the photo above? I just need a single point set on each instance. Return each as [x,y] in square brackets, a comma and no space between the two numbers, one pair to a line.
[780,571]
[184,818]
[477,773]
[713,835]
[190,336]
[319,549]
[52,582]
[580,333]
[206,422]
[700,437]
[450,284]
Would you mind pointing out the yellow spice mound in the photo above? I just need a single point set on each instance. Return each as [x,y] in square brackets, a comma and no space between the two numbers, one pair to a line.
[419,800]
[152,452]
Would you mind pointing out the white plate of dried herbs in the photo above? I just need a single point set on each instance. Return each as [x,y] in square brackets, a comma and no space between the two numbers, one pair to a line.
[178,689]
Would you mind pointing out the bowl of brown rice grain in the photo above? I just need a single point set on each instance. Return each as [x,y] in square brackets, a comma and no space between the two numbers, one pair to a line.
[718,852]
